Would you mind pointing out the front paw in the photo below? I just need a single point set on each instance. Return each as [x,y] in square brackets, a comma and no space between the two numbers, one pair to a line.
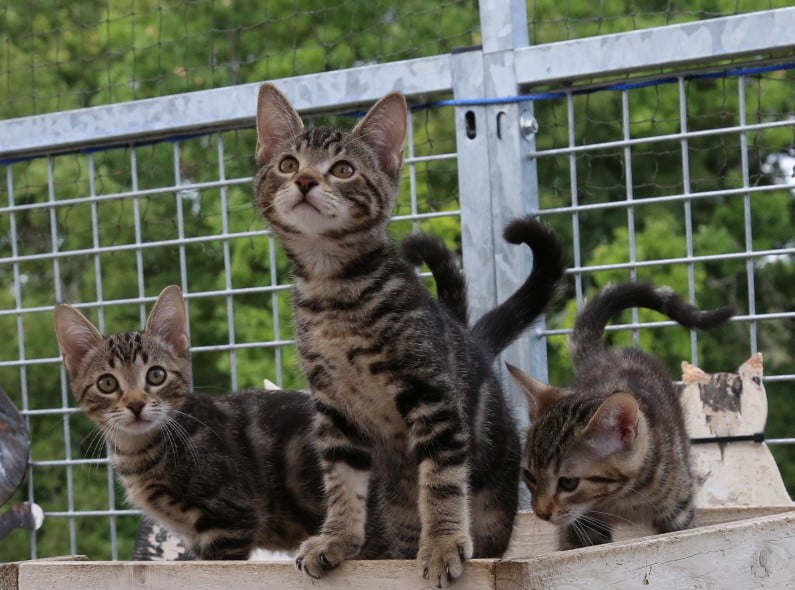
[324,552]
[441,560]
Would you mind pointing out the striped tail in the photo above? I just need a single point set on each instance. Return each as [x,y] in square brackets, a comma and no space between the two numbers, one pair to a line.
[450,282]
[503,324]
[591,321]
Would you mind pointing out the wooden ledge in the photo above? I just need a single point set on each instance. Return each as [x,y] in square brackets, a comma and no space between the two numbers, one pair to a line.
[756,552]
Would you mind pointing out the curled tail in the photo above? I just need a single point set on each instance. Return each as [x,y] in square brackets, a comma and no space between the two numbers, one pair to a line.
[503,324]
[592,319]
[450,282]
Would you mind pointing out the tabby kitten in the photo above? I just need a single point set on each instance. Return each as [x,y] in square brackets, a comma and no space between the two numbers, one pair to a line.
[419,449]
[228,474]
[612,446]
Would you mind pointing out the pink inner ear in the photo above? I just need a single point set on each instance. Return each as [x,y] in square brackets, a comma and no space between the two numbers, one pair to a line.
[614,426]
[277,121]
[384,129]
[76,336]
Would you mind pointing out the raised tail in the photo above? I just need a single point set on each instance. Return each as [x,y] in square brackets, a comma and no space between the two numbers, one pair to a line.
[503,324]
[450,282]
[591,321]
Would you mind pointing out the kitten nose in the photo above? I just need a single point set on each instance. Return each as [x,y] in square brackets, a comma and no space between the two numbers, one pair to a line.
[543,515]
[305,183]
[136,407]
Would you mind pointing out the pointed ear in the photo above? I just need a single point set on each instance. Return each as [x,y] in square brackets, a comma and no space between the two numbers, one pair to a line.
[384,130]
[614,426]
[539,395]
[76,336]
[277,121]
[168,321]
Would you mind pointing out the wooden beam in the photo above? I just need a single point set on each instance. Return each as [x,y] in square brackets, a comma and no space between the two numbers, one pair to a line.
[752,553]
[239,575]
[533,537]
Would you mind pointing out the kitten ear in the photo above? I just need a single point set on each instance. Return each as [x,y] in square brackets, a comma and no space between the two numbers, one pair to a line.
[76,336]
[614,426]
[384,130]
[277,120]
[539,395]
[168,321]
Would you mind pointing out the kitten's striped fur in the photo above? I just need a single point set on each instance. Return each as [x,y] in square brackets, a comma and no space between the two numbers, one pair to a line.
[229,474]
[612,446]
[420,452]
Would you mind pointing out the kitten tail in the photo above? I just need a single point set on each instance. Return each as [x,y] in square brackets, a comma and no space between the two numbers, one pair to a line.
[450,282]
[503,324]
[592,319]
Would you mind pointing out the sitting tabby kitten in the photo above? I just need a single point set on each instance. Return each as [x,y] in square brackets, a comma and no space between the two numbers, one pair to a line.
[613,444]
[229,474]
[419,450]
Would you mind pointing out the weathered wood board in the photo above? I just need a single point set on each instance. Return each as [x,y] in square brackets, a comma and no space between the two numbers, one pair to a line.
[235,575]
[533,537]
[750,553]
[753,553]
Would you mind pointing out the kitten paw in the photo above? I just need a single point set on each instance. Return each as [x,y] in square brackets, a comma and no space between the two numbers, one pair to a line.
[440,561]
[322,553]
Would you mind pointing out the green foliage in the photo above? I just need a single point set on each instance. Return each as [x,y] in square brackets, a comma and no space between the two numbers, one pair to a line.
[85,53]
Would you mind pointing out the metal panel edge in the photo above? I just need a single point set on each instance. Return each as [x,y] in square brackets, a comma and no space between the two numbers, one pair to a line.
[217,108]
[713,39]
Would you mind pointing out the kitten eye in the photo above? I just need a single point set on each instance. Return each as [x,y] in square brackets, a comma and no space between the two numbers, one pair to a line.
[342,170]
[568,484]
[107,383]
[156,376]
[528,477]
[288,165]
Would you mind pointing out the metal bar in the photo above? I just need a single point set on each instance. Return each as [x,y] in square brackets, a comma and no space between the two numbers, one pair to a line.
[20,323]
[629,191]
[665,199]
[169,190]
[605,145]
[70,496]
[659,47]
[217,109]
[575,204]
[230,304]
[749,243]
[686,189]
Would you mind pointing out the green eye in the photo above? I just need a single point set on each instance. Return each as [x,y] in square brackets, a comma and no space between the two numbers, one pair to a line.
[288,165]
[568,484]
[156,376]
[107,383]
[342,170]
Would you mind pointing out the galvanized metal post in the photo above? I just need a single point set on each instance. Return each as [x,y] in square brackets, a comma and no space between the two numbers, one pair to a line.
[513,182]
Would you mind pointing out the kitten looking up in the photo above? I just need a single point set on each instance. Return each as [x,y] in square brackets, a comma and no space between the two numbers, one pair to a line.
[419,449]
[229,474]
[612,445]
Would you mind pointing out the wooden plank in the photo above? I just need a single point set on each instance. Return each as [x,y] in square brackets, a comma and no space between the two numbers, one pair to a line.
[751,553]
[240,575]
[533,537]
[9,571]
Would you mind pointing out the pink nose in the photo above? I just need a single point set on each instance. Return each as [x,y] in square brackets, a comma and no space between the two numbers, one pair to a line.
[543,515]
[305,183]
[136,407]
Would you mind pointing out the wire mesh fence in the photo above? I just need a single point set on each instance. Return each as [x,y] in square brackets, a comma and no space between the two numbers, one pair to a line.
[107,230]
[681,178]
[684,181]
